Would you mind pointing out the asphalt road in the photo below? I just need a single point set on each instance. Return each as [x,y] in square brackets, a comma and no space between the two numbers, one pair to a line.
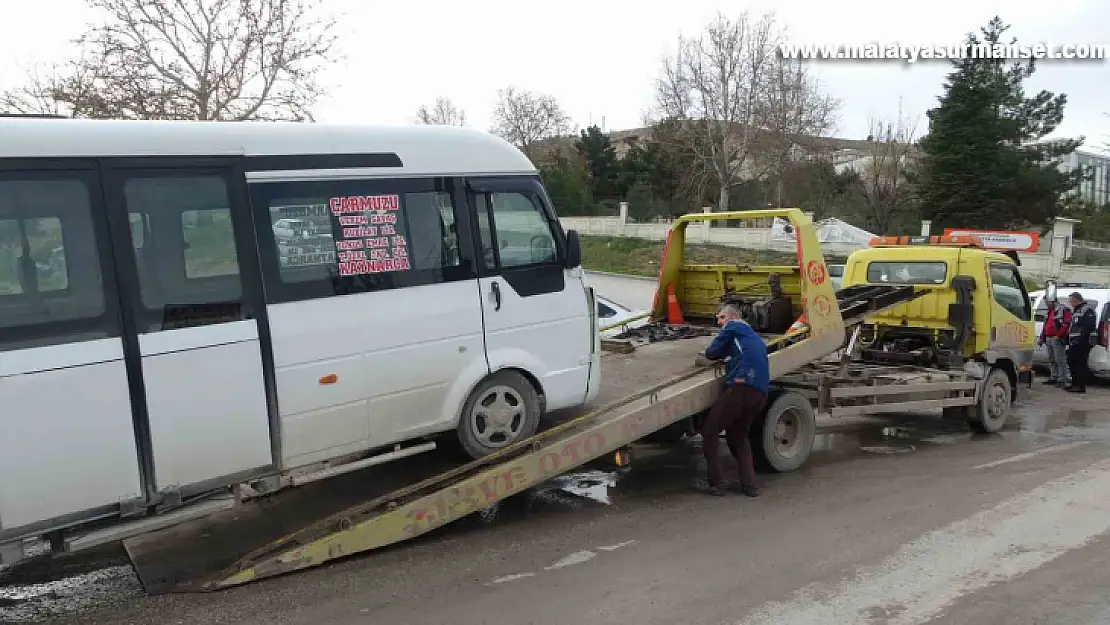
[922,523]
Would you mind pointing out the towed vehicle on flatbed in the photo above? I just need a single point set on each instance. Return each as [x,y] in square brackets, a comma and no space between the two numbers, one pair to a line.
[816,368]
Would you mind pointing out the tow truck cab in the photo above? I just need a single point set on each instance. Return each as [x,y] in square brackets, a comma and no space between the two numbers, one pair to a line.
[974,309]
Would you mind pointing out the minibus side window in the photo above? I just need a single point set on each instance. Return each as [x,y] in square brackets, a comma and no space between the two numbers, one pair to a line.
[323,238]
[523,233]
[209,243]
[44,248]
[51,287]
[185,251]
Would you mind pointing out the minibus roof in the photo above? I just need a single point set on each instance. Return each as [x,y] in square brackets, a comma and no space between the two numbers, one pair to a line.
[388,150]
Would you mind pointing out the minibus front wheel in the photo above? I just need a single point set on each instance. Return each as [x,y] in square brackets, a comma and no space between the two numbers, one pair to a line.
[503,409]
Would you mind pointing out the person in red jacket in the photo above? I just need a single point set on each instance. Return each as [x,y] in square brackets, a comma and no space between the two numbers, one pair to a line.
[1054,335]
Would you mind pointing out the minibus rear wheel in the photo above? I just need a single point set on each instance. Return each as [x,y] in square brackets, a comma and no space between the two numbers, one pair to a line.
[503,409]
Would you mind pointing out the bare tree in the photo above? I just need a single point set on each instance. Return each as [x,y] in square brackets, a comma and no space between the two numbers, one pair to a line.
[798,116]
[525,119]
[442,113]
[59,90]
[35,97]
[884,170]
[191,59]
[733,92]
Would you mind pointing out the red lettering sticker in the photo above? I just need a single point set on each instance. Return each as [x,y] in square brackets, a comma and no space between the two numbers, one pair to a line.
[815,272]
[358,233]
[823,305]
[550,462]
[353,220]
[594,444]
[364,203]
[354,244]
[570,450]
[489,488]
[388,230]
[466,501]
[347,257]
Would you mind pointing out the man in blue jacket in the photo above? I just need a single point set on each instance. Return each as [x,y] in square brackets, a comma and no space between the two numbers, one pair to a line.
[746,381]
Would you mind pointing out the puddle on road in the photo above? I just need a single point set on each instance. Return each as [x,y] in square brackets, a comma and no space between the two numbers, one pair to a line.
[591,485]
[573,491]
[886,440]
[1068,424]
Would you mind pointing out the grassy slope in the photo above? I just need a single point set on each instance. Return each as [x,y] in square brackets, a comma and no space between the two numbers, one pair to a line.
[641,256]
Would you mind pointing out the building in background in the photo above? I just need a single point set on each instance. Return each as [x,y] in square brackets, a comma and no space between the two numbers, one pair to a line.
[1097,189]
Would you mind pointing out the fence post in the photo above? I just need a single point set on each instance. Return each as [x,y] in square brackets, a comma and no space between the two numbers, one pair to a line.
[925,225]
[705,232]
[623,219]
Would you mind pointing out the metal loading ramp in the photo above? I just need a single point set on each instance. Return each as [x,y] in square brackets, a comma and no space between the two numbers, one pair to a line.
[415,510]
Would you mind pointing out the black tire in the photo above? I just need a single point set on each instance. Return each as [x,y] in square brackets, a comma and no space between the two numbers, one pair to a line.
[990,413]
[512,390]
[787,449]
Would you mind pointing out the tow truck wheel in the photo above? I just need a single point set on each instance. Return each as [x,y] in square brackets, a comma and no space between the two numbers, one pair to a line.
[502,410]
[783,439]
[990,414]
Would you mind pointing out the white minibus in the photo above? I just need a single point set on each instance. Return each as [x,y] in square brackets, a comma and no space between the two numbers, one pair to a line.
[191,306]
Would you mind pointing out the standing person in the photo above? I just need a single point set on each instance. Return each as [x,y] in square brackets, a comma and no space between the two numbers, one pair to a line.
[1084,324]
[746,381]
[1054,336]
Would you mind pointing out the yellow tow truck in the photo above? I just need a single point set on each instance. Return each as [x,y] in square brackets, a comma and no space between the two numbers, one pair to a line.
[972,313]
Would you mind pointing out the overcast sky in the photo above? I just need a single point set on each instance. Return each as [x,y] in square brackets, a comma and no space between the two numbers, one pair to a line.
[601,57]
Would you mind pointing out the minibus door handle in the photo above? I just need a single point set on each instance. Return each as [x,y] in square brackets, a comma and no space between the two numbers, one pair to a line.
[496,289]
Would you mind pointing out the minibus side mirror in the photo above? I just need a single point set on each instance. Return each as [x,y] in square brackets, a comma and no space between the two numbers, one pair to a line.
[574,250]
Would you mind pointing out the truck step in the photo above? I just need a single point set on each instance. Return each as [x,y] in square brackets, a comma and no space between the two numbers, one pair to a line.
[122,531]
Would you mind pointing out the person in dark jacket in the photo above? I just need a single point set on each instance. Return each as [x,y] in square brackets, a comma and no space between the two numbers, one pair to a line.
[746,381]
[1081,337]
[1054,337]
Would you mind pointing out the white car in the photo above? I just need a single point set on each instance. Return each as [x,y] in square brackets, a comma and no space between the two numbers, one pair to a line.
[610,312]
[1099,299]
[836,276]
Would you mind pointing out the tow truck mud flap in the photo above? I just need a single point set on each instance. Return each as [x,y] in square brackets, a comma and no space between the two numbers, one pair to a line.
[218,560]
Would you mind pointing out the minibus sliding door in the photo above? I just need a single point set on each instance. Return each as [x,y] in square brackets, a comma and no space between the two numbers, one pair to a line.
[193,301]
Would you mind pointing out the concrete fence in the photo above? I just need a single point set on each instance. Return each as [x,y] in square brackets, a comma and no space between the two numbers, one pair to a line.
[1049,263]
